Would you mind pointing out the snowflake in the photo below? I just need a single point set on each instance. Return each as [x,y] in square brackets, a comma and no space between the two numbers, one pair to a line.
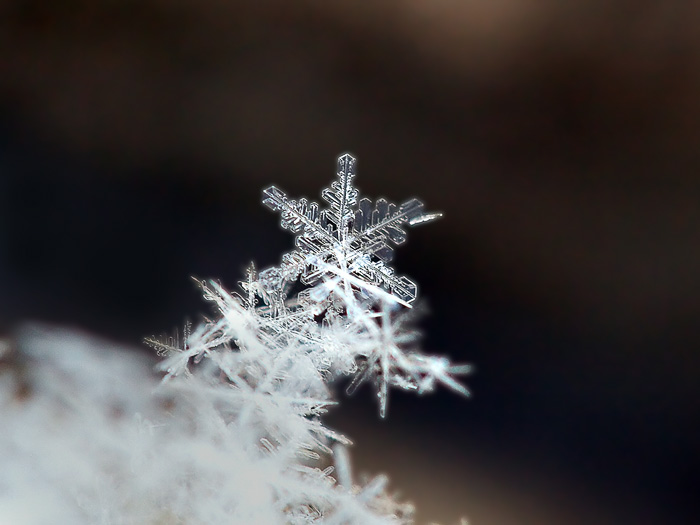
[348,235]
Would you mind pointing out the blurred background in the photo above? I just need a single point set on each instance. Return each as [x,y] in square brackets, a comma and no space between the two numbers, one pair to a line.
[560,139]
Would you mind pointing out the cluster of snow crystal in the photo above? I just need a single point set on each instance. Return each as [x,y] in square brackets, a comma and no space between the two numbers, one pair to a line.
[234,433]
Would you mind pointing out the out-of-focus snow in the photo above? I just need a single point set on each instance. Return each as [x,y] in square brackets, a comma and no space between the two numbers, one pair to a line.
[89,436]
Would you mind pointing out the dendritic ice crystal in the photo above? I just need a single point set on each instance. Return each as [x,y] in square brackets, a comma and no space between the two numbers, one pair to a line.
[357,240]
[266,363]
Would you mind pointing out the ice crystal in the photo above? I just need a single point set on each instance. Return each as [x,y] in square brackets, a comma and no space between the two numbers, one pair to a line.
[355,239]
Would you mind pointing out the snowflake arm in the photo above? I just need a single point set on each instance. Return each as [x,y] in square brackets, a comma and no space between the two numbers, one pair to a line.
[298,215]
[342,195]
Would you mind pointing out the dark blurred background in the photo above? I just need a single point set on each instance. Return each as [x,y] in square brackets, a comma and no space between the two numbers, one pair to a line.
[560,139]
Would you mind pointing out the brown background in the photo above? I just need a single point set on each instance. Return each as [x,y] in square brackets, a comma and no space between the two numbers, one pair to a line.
[561,139]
